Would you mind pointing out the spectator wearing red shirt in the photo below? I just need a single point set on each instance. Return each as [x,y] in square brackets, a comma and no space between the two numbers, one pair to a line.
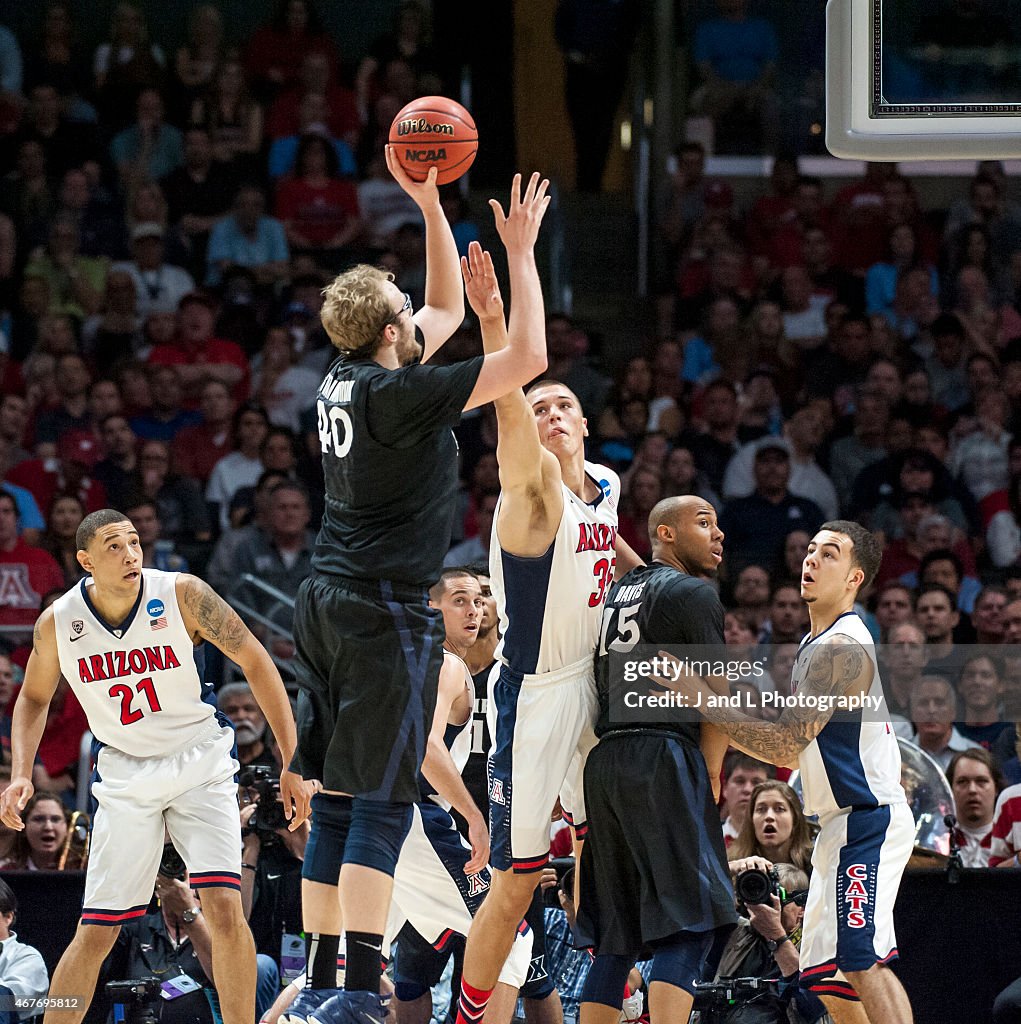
[319,211]
[198,355]
[197,449]
[26,572]
[70,473]
[277,50]
[342,118]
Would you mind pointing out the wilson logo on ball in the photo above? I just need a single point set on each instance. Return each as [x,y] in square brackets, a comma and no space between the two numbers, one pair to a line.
[422,126]
[428,156]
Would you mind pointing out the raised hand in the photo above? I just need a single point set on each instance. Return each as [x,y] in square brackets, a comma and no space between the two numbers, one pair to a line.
[519,228]
[425,193]
[480,283]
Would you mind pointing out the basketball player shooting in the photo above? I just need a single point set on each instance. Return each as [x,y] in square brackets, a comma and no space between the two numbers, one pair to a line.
[850,773]
[124,638]
[553,557]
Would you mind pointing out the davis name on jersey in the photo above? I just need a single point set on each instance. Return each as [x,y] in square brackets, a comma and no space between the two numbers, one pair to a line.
[142,697]
[550,606]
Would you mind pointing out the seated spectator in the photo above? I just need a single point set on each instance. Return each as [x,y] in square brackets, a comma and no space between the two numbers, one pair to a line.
[69,473]
[720,336]
[987,617]
[284,388]
[198,448]
[757,525]
[804,321]
[933,709]
[277,51]
[339,114]
[976,781]
[66,513]
[904,658]
[248,238]
[775,829]
[56,58]
[159,286]
[938,616]
[867,445]
[829,282]
[242,467]
[942,567]
[923,530]
[894,605]
[681,476]
[787,620]
[280,558]
[157,551]
[197,61]
[881,279]
[198,354]
[1005,845]
[1003,533]
[795,547]
[115,333]
[384,205]
[22,968]
[644,491]
[981,691]
[198,193]
[149,149]
[751,594]
[568,345]
[29,197]
[318,209]
[232,118]
[72,413]
[980,459]
[125,64]
[75,282]
[165,418]
[742,774]
[458,214]
[736,58]
[948,381]
[716,442]
[116,469]
[99,219]
[843,363]
[179,500]
[65,143]
[39,846]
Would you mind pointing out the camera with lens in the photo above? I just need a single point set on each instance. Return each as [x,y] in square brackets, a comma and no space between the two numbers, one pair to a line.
[747,1000]
[139,998]
[269,814]
[757,886]
[172,863]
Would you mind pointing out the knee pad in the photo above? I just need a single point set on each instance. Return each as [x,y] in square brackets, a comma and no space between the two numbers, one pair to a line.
[331,822]
[606,980]
[377,833]
[679,959]
[409,991]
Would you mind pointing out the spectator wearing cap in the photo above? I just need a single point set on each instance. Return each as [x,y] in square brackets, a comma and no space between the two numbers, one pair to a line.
[804,435]
[198,354]
[248,238]
[159,286]
[757,525]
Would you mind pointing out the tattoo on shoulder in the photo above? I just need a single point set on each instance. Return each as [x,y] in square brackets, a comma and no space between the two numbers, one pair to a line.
[217,621]
[37,637]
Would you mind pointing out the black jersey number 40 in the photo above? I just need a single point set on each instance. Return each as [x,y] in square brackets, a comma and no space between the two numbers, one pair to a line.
[335,429]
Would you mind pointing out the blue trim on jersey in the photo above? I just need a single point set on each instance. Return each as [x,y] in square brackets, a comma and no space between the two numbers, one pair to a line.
[866,832]
[505,692]
[526,584]
[129,618]
[602,490]
[450,734]
[446,842]
[840,750]
[418,665]
[843,615]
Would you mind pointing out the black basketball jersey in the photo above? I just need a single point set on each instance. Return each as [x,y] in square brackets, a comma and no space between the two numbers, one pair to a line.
[668,607]
[390,467]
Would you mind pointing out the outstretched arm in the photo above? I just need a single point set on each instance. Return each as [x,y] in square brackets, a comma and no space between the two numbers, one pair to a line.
[441,772]
[524,357]
[443,311]
[838,666]
[41,677]
[208,617]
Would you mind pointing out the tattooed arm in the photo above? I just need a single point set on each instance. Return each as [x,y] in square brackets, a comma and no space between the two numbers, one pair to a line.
[42,674]
[208,617]
[837,667]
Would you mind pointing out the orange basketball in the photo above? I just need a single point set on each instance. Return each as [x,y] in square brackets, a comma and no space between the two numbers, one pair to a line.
[434,130]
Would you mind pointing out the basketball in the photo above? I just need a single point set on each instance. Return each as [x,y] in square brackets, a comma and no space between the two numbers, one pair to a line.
[434,130]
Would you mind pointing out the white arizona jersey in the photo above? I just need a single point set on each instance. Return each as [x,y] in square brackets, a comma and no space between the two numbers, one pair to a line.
[136,680]
[456,738]
[550,606]
[852,763]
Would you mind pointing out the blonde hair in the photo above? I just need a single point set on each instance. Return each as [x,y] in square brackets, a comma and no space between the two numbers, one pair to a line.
[355,308]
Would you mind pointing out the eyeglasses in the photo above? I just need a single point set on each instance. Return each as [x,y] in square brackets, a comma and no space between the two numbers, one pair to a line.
[406,308]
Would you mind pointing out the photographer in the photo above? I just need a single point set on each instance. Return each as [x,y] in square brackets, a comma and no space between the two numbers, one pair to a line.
[270,863]
[764,945]
[172,944]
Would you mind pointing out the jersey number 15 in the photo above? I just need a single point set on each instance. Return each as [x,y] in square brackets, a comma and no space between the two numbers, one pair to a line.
[620,630]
